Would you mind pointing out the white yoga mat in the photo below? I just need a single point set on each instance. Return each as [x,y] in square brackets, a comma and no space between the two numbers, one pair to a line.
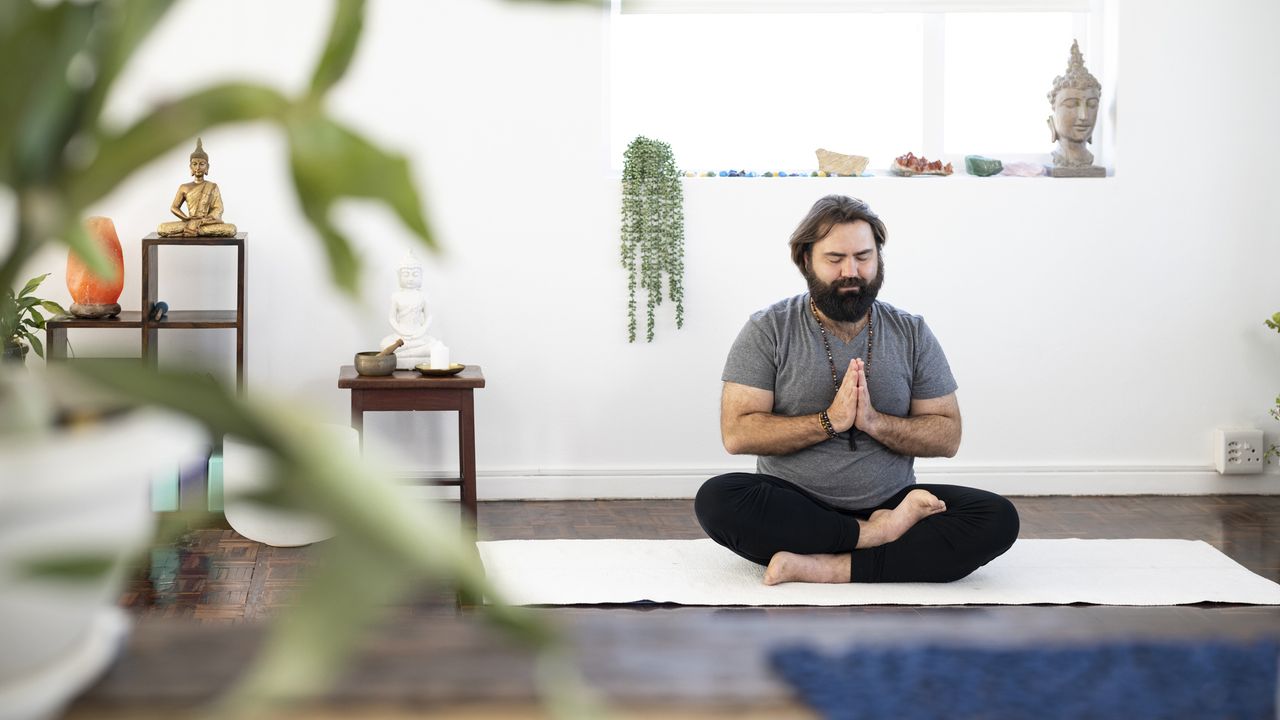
[700,572]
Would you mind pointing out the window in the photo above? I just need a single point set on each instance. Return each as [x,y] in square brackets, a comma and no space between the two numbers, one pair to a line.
[998,69]
[760,84]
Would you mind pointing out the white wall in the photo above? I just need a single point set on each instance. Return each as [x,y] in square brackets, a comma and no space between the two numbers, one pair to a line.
[1099,329]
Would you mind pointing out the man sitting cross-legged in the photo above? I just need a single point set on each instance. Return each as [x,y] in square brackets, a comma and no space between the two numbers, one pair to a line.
[837,393]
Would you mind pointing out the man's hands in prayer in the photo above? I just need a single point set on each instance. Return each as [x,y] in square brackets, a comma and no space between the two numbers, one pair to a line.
[865,416]
[844,409]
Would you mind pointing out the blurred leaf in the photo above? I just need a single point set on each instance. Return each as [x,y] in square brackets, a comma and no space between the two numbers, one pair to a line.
[377,554]
[120,27]
[195,394]
[53,307]
[36,320]
[416,536]
[344,37]
[344,268]
[395,543]
[8,317]
[313,472]
[346,592]
[24,49]
[39,112]
[169,125]
[271,497]
[36,344]
[69,567]
[566,693]
[88,251]
[330,162]
[171,526]
[32,284]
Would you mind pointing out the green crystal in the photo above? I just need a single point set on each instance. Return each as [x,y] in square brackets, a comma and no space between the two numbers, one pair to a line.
[982,166]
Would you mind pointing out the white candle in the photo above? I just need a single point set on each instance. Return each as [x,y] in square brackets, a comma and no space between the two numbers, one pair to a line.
[439,357]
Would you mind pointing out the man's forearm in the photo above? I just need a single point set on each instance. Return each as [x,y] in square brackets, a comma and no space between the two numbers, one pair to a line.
[917,436]
[769,434]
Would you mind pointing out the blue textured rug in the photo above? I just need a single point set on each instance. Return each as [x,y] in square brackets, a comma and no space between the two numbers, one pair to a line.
[1121,680]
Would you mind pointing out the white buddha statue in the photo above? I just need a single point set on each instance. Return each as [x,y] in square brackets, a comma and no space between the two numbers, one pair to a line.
[409,317]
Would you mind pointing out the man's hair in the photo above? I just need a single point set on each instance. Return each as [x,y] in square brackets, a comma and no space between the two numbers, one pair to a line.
[825,214]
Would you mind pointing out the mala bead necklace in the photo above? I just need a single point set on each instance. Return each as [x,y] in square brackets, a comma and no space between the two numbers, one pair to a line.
[835,381]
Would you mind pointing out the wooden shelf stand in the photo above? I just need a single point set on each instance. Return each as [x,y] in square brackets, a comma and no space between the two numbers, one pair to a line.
[150,330]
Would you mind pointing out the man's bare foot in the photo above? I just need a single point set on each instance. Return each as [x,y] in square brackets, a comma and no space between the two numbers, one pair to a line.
[885,526]
[793,567]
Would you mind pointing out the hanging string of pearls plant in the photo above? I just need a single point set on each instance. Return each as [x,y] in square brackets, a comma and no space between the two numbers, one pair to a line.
[652,229]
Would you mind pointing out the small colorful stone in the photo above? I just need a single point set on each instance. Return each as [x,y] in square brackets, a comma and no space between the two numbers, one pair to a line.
[982,166]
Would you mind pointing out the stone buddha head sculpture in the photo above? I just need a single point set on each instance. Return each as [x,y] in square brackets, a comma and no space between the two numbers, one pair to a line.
[1074,99]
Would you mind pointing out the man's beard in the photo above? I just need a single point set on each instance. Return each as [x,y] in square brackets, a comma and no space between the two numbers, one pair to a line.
[845,306]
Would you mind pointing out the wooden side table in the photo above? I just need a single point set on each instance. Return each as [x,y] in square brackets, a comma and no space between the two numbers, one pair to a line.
[409,390]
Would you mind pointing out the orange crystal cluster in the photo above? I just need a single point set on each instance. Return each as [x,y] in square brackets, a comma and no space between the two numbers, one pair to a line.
[909,164]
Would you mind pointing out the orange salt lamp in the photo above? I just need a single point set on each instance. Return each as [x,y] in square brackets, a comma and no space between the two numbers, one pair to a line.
[94,296]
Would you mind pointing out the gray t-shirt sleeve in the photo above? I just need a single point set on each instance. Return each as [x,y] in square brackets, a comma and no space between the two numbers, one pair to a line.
[753,359]
[933,376]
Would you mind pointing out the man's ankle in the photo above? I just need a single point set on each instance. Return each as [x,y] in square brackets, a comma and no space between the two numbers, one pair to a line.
[870,534]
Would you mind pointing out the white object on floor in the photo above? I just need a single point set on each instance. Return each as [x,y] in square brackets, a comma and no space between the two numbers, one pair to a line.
[43,693]
[68,494]
[245,469]
[700,572]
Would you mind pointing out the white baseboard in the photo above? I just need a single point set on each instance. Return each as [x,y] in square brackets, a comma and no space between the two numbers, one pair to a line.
[600,484]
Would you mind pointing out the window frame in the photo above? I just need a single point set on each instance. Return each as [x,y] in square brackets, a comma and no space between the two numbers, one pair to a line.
[1090,18]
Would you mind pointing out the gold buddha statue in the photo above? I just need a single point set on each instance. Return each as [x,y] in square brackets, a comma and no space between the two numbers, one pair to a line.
[203,217]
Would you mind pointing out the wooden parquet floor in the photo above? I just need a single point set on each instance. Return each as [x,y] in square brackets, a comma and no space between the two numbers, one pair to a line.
[200,604]
[216,576]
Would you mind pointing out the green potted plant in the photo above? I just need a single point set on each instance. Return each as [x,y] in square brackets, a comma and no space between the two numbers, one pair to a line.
[652,229]
[20,320]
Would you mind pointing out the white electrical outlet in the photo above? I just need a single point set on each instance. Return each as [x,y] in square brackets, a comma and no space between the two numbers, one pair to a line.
[1237,451]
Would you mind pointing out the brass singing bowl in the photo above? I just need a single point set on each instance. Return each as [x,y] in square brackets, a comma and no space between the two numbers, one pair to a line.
[371,363]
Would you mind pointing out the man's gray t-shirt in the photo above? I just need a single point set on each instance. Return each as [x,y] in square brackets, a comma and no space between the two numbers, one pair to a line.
[780,349]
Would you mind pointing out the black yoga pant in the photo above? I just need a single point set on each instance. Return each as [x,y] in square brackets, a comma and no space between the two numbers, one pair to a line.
[758,515]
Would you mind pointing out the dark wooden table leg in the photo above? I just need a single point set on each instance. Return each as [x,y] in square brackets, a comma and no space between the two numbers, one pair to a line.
[467,491]
[467,455]
[56,342]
